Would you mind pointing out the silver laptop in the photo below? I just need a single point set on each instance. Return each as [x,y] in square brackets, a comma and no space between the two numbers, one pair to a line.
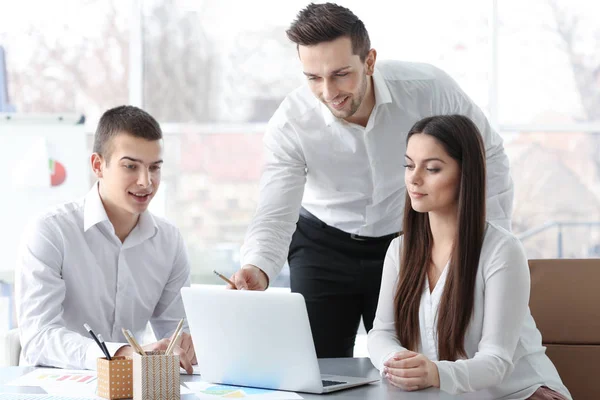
[257,339]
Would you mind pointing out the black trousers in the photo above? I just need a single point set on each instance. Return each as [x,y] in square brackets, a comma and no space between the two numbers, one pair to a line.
[339,277]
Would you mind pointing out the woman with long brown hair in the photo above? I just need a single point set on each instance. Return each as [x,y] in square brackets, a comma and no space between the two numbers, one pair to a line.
[453,308]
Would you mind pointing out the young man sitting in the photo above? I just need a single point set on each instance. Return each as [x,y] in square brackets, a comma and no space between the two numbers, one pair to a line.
[105,260]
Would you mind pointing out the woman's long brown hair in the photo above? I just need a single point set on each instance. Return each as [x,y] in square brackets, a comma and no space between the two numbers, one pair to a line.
[462,141]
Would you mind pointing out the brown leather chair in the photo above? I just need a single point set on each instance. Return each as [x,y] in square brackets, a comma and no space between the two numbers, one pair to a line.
[565,303]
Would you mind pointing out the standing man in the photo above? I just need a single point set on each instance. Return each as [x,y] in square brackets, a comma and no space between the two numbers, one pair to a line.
[334,172]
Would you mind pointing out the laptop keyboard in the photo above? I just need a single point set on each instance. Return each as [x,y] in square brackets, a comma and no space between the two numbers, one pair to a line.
[327,383]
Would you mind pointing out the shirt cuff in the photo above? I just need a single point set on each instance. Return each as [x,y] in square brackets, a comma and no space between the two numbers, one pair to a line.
[447,383]
[93,353]
[270,269]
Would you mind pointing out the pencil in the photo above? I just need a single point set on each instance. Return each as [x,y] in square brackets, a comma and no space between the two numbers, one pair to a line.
[136,343]
[175,334]
[174,343]
[225,279]
[132,342]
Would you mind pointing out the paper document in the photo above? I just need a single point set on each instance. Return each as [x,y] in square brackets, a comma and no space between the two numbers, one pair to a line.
[57,377]
[22,396]
[62,383]
[67,390]
[205,390]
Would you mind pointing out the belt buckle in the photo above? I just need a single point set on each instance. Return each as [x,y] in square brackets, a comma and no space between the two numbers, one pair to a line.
[354,236]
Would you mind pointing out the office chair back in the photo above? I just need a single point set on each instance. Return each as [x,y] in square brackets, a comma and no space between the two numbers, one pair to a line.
[565,303]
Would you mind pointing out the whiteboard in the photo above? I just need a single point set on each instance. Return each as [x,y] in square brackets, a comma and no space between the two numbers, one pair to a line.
[42,163]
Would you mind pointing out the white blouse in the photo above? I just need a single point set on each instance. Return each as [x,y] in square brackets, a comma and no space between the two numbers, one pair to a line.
[506,359]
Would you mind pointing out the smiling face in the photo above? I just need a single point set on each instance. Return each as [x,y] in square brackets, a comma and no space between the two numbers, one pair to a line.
[338,78]
[130,177]
[431,176]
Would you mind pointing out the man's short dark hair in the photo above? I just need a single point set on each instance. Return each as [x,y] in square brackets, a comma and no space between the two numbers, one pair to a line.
[124,119]
[319,23]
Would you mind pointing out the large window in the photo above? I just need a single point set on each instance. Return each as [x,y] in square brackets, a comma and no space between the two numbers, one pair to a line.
[213,72]
[549,62]
[66,55]
[217,76]
[204,62]
[549,110]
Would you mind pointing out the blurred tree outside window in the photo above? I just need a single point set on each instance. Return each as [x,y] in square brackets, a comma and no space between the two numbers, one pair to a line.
[215,71]
[549,85]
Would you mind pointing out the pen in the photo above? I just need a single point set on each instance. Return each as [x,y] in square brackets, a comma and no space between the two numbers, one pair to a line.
[87,328]
[225,279]
[101,339]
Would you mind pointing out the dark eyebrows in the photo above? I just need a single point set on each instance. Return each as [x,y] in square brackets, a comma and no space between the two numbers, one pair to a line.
[428,159]
[140,161]
[337,71]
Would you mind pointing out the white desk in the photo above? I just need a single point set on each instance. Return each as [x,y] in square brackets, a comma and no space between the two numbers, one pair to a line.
[338,366]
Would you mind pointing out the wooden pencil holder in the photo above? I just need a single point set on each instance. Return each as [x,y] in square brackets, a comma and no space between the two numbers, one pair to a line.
[155,376]
[115,378]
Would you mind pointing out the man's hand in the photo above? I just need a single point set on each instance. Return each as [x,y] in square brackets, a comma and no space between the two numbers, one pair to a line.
[411,371]
[250,277]
[185,351]
[187,347]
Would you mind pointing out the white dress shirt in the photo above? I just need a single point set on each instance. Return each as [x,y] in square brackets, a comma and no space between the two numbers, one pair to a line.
[505,356]
[73,269]
[352,177]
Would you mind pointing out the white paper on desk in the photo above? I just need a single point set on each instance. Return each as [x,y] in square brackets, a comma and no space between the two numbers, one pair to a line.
[83,380]
[205,390]
[27,396]
[184,390]
[68,390]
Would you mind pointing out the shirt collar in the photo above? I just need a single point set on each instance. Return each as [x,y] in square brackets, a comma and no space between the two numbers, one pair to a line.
[93,209]
[147,225]
[94,213]
[382,92]
[382,96]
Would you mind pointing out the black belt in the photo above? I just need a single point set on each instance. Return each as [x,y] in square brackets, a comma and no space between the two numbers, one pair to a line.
[310,217]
